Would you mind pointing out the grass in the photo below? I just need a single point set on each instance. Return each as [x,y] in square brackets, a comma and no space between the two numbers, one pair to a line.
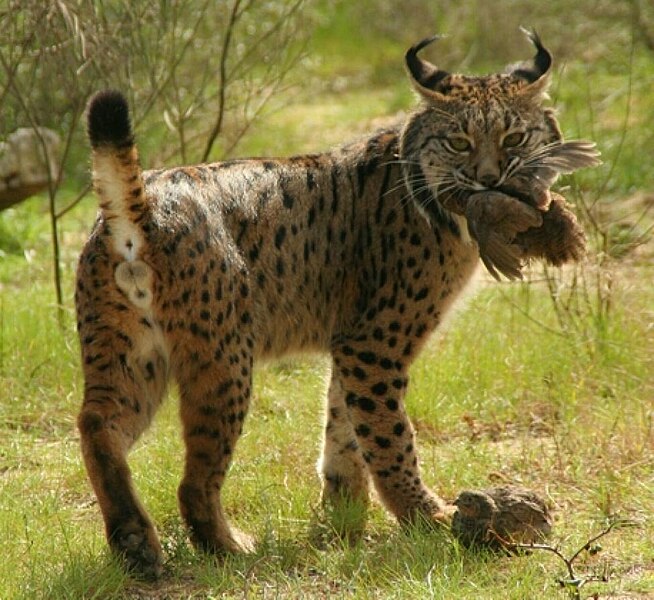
[502,395]
[577,428]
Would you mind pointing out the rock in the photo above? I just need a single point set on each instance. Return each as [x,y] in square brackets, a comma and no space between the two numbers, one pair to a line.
[28,161]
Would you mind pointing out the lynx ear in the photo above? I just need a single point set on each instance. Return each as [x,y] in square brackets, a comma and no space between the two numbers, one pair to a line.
[425,77]
[537,71]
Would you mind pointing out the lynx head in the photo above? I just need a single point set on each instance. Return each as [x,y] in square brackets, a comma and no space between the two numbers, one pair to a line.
[476,133]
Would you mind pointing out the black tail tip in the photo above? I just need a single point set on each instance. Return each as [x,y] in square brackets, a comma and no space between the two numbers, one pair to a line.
[108,120]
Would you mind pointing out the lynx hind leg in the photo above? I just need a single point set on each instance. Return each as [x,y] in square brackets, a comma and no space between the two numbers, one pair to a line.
[342,468]
[125,371]
[214,374]
[345,478]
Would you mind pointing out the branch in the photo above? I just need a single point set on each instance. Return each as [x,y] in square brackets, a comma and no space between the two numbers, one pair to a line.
[233,18]
[640,24]
[75,202]
[525,314]
[23,46]
[575,581]
[263,38]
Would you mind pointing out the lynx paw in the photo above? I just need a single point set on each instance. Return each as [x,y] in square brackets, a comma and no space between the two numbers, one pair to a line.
[140,550]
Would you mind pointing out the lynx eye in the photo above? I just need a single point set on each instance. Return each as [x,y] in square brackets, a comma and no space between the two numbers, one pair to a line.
[514,139]
[459,144]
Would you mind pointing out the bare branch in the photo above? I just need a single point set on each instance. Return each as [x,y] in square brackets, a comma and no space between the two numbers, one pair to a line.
[164,55]
[644,30]
[222,86]
[575,581]
[269,33]
[82,194]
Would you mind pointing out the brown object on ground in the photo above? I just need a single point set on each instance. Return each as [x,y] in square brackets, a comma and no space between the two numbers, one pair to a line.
[500,516]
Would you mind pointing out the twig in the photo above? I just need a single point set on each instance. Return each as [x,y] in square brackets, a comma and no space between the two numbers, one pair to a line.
[525,314]
[233,18]
[620,145]
[575,581]
[640,25]
[75,202]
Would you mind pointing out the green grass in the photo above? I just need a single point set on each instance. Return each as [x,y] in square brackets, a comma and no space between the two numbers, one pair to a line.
[502,395]
[576,427]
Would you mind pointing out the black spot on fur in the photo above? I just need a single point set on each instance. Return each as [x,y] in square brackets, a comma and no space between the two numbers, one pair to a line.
[369,358]
[366,404]
[391,404]
[279,236]
[362,430]
[382,442]
[288,200]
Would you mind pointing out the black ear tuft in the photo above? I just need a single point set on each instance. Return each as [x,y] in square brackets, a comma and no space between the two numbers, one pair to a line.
[541,63]
[108,120]
[423,72]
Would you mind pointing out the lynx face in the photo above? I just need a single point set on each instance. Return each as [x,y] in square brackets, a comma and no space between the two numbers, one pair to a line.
[478,133]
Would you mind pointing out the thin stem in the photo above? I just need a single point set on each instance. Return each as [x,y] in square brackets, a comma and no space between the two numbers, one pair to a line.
[575,580]
[75,202]
[222,86]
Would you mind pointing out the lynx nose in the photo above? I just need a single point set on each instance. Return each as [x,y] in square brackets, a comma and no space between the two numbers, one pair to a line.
[488,173]
[489,180]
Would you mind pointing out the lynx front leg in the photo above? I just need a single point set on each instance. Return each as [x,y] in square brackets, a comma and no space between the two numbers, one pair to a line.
[344,472]
[214,403]
[375,385]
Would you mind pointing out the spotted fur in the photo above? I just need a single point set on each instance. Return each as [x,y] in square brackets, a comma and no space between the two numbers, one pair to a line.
[193,273]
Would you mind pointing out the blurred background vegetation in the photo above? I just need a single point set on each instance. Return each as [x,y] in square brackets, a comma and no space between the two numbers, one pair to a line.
[209,80]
